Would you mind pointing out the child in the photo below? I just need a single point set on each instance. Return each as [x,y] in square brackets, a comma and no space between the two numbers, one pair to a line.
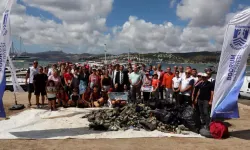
[62,97]
[85,102]
[94,97]
[51,94]
[74,98]
[155,84]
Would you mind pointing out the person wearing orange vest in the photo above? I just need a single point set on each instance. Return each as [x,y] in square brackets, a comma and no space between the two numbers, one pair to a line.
[167,84]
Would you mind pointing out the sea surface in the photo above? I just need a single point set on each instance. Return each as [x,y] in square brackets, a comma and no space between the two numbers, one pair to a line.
[200,67]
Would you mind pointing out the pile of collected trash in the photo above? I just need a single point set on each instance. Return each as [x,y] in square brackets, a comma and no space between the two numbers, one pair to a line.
[139,116]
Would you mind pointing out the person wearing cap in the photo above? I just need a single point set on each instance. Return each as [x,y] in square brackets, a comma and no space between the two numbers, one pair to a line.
[32,71]
[186,88]
[167,85]
[135,80]
[176,81]
[147,81]
[204,99]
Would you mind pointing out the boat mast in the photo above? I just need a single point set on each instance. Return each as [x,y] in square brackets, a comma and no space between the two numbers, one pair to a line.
[20,44]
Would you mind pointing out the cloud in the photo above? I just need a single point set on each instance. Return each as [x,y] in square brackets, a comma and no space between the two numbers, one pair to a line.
[203,13]
[83,27]
[172,3]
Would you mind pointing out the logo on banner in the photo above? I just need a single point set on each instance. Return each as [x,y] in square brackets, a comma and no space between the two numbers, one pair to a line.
[240,37]
[5,31]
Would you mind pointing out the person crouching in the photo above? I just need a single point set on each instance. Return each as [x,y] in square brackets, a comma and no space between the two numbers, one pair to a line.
[62,97]
[74,98]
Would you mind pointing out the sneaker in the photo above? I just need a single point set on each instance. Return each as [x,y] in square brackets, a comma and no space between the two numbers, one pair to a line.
[38,106]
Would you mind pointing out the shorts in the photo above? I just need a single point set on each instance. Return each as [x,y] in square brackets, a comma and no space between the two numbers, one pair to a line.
[52,99]
[40,91]
[30,88]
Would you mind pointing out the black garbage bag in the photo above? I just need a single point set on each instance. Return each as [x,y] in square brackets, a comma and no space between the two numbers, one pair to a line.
[190,119]
[151,126]
[206,133]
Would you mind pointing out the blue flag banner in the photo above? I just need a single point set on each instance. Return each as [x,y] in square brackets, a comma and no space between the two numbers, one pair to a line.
[5,44]
[232,67]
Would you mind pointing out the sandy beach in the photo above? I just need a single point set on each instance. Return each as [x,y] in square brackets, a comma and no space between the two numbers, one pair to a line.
[239,129]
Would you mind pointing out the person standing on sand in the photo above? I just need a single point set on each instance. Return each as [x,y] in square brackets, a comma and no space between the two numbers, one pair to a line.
[39,82]
[186,88]
[135,80]
[167,85]
[32,71]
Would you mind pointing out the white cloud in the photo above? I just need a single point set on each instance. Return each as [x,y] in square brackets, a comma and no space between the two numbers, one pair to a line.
[203,13]
[84,24]
[172,3]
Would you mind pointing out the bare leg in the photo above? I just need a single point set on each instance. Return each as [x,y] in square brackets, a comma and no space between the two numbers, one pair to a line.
[54,104]
[43,99]
[50,105]
[29,98]
[37,100]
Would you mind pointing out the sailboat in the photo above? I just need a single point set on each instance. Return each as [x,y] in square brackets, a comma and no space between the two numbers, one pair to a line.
[19,56]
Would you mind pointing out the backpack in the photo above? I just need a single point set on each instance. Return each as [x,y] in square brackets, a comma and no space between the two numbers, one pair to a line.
[219,130]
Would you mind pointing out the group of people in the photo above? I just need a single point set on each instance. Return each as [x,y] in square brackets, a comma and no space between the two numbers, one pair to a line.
[85,86]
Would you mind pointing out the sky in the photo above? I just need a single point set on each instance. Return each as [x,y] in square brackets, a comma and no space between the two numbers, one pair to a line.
[84,26]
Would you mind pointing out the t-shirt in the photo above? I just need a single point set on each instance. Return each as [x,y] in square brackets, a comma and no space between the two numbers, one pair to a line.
[32,72]
[50,72]
[51,91]
[57,80]
[182,75]
[195,79]
[40,80]
[176,82]
[68,77]
[185,83]
[205,90]
[135,78]
[167,80]
[155,82]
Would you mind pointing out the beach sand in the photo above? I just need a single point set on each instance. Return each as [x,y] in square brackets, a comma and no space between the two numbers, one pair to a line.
[239,129]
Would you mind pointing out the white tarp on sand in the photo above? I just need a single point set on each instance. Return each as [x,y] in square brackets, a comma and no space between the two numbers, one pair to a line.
[63,124]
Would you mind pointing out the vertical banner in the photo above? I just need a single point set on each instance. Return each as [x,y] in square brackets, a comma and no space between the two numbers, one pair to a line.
[16,86]
[232,66]
[5,44]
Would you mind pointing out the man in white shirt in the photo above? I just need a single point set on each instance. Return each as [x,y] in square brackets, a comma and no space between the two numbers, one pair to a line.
[186,87]
[182,73]
[32,71]
[135,80]
[176,87]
